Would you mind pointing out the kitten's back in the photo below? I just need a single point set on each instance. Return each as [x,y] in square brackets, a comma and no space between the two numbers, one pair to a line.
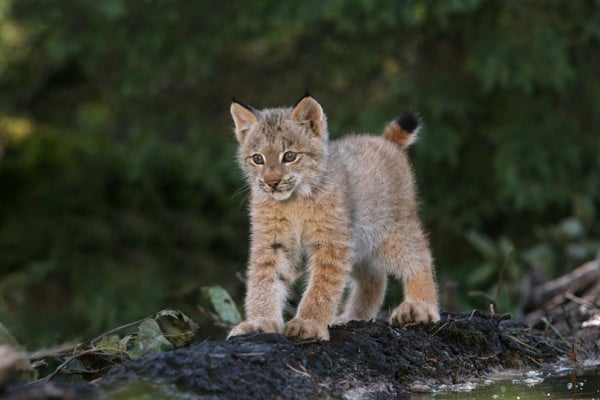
[380,185]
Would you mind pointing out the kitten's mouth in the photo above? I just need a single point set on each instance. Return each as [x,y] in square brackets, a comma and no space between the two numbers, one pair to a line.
[282,191]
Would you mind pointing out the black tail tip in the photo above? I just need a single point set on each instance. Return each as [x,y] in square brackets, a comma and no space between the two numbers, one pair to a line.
[409,122]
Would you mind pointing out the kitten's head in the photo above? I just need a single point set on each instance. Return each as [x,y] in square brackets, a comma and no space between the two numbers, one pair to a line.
[282,151]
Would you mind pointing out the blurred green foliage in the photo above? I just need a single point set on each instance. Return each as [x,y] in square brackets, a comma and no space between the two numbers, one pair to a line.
[119,194]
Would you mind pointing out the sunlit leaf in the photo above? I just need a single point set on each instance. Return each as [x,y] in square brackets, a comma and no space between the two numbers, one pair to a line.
[110,344]
[223,304]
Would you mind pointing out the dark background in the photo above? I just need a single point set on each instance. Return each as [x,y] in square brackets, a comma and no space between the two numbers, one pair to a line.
[119,194]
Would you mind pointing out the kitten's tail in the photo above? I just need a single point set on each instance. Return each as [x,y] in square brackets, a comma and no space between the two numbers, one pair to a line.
[403,130]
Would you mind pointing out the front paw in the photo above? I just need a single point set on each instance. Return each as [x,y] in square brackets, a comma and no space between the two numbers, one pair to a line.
[267,325]
[415,311]
[301,328]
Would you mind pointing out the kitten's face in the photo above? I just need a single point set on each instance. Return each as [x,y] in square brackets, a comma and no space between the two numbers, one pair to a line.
[280,152]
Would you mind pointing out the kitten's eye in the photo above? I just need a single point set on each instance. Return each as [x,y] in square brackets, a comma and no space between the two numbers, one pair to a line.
[258,159]
[289,156]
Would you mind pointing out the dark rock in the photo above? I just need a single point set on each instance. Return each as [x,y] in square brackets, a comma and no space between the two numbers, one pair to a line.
[362,359]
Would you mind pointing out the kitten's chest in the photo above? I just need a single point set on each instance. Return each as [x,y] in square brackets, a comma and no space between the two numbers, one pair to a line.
[304,223]
[301,218]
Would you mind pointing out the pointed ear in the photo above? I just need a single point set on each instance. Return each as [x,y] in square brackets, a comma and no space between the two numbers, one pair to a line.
[309,111]
[243,118]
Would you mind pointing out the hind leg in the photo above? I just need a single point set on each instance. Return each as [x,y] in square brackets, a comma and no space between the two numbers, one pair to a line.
[407,256]
[366,294]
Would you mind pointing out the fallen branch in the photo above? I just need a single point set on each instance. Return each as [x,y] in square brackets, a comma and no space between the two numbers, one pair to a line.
[565,304]
[575,282]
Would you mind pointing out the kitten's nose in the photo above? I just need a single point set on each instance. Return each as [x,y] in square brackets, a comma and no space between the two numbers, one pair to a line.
[273,182]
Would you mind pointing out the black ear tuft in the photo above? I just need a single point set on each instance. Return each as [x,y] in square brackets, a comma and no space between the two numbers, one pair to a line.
[234,99]
[306,94]
[241,103]
[409,122]
[306,91]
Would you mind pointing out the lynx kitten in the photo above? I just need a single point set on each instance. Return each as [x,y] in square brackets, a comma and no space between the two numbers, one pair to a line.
[349,205]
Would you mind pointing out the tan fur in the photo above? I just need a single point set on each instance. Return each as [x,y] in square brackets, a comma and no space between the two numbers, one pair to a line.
[349,205]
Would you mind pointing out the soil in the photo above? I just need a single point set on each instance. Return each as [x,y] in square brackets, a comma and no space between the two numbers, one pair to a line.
[362,360]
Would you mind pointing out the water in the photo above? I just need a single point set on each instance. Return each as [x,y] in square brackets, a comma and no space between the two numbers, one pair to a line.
[507,385]
[524,386]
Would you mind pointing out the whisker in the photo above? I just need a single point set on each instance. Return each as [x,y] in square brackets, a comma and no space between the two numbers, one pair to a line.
[243,192]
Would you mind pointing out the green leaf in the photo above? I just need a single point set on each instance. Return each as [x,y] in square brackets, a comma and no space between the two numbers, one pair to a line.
[149,339]
[7,338]
[570,229]
[540,255]
[223,304]
[75,366]
[110,344]
[176,326]
[482,275]
[124,343]
[485,246]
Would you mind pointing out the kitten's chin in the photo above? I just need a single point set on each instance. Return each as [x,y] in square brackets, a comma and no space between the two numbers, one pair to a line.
[281,196]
